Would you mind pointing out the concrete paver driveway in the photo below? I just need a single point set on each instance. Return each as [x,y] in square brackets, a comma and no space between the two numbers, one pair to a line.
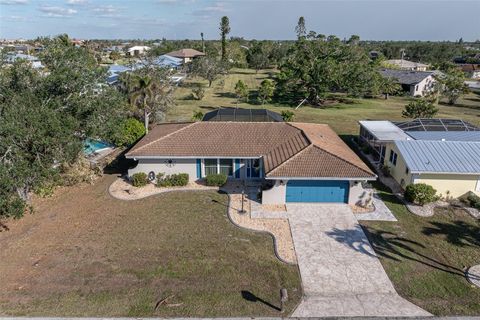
[340,272]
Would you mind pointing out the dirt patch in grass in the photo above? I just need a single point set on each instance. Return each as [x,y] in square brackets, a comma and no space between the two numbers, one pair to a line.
[426,257]
[84,253]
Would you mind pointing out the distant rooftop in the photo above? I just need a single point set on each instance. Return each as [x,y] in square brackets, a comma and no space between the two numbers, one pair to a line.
[186,53]
[406,76]
[384,130]
[406,64]
[436,125]
[242,115]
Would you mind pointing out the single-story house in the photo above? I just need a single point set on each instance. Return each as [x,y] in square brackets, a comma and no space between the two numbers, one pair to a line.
[34,61]
[167,61]
[402,64]
[450,167]
[187,55]
[380,134]
[137,50]
[472,71]
[416,83]
[300,162]
[242,115]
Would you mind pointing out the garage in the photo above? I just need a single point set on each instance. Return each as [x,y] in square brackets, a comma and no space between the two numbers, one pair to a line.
[317,191]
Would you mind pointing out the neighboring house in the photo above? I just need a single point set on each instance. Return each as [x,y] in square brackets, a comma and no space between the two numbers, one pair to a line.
[114,72]
[378,134]
[472,71]
[394,145]
[34,61]
[167,61]
[242,115]
[300,162]
[450,167]
[416,83]
[406,65]
[136,51]
[187,55]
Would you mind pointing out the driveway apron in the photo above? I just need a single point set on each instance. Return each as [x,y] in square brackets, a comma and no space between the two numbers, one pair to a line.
[340,272]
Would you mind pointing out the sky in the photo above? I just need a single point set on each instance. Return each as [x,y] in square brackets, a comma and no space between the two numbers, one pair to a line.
[434,20]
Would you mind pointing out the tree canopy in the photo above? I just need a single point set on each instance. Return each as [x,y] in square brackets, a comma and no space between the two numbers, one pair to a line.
[44,118]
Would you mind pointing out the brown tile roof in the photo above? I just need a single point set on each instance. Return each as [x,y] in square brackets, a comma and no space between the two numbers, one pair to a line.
[288,149]
[216,139]
[185,53]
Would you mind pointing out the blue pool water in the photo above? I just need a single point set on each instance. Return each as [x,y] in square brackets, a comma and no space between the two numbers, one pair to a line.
[90,146]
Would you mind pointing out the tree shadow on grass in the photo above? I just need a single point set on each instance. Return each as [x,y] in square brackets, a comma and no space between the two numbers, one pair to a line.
[391,246]
[225,95]
[459,233]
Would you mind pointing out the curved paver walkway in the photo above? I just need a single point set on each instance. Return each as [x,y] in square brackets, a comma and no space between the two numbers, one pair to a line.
[473,275]
[340,272]
[278,228]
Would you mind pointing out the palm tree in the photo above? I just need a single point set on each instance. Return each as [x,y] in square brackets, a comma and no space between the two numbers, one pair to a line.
[141,91]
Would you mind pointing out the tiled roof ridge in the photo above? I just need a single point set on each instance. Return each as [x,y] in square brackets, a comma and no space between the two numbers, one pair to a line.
[288,141]
[292,158]
[168,135]
[344,160]
[327,151]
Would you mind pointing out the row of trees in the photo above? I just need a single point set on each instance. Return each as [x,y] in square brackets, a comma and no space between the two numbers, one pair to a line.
[45,117]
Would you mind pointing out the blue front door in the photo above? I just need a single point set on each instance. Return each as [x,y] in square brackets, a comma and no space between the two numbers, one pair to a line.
[317,191]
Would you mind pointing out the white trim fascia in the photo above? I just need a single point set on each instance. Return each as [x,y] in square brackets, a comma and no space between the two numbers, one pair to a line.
[322,178]
[452,173]
[189,157]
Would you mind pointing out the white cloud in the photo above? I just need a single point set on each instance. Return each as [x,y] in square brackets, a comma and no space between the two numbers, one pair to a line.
[77,2]
[105,9]
[57,12]
[13,18]
[13,2]
[216,7]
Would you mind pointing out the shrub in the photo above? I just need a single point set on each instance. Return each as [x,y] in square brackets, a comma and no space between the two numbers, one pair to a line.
[128,132]
[216,180]
[420,194]
[174,180]
[473,200]
[198,92]
[288,115]
[139,179]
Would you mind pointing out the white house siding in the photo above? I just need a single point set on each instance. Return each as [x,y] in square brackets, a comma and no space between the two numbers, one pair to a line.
[423,87]
[276,195]
[357,195]
[160,165]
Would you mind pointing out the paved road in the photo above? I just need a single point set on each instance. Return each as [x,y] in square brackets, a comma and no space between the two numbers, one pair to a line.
[340,272]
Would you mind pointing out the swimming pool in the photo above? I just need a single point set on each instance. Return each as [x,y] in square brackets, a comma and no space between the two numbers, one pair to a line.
[90,146]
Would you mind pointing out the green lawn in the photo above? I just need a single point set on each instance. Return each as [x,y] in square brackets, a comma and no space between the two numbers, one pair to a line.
[86,254]
[341,117]
[426,257]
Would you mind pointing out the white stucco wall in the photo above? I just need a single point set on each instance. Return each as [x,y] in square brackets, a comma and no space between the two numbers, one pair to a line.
[159,165]
[357,195]
[275,195]
[423,87]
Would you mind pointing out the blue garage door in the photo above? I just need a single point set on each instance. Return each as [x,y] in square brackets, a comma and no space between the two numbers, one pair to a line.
[317,191]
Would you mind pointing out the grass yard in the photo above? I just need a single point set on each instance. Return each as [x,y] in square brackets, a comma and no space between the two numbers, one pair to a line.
[426,257]
[84,253]
[341,117]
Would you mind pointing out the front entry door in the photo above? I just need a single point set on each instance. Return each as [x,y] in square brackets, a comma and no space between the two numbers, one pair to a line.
[253,168]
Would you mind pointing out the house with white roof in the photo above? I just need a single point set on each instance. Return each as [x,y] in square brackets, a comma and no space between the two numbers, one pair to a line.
[443,153]
[136,51]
